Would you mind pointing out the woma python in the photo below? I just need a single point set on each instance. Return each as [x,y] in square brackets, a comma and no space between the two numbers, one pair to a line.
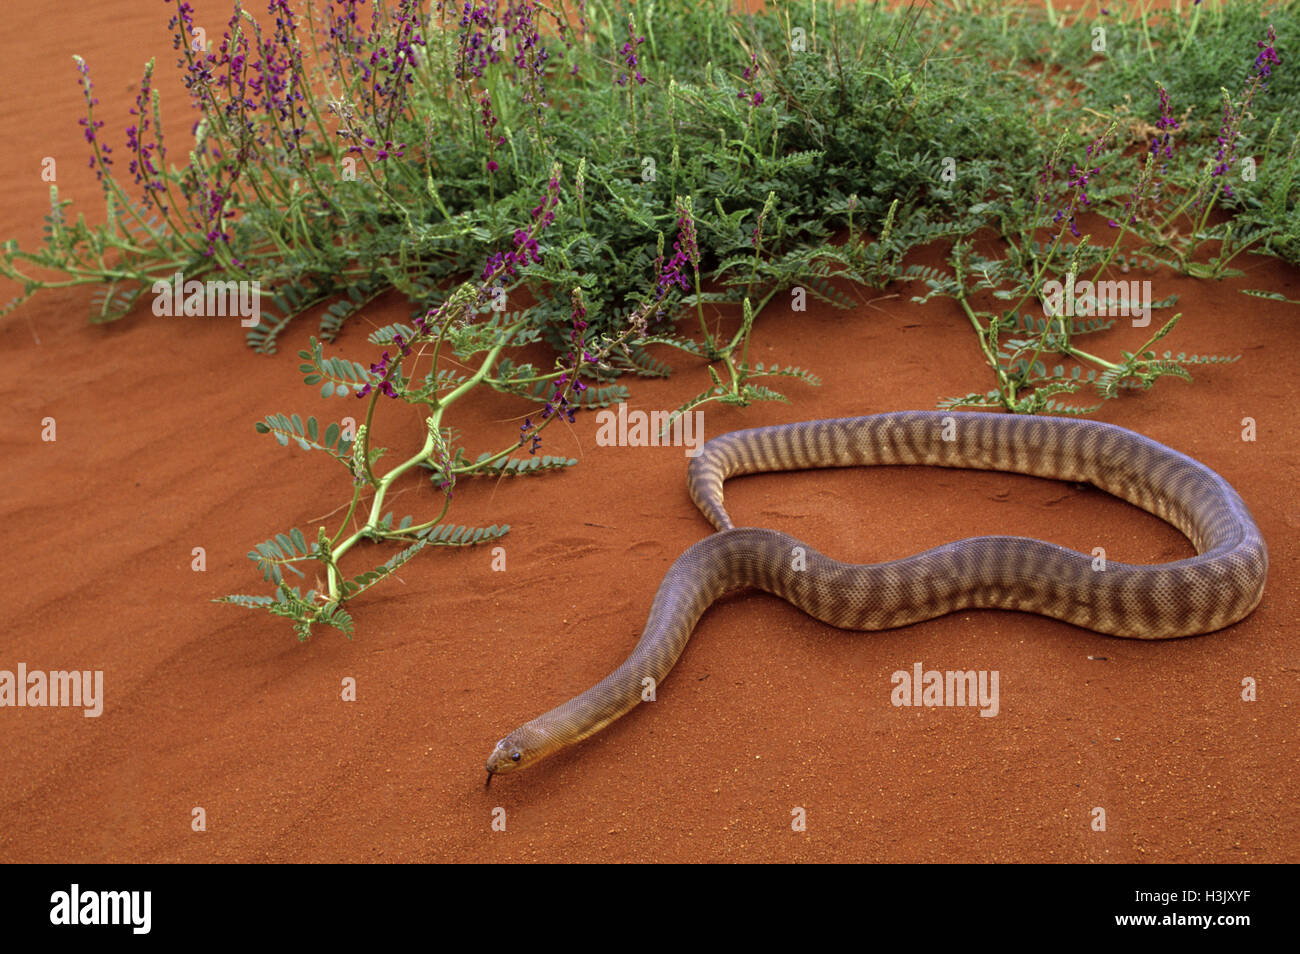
[1215,588]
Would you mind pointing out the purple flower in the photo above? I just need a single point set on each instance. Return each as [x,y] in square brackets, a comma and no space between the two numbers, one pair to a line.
[628,53]
[1267,56]
[685,252]
[142,165]
[1163,145]
[1167,123]
[1230,122]
[488,119]
[686,234]
[384,371]
[1232,118]
[1076,184]
[750,73]
[1152,174]
[99,152]
[478,43]
[526,248]
[674,273]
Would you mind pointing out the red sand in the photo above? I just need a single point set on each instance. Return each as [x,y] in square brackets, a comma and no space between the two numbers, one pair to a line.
[768,710]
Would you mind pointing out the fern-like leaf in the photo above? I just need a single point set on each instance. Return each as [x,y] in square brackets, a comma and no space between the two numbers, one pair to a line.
[306,434]
[591,397]
[112,302]
[364,581]
[248,602]
[336,376]
[282,550]
[522,466]
[675,341]
[638,361]
[1270,295]
[759,371]
[450,535]
[386,335]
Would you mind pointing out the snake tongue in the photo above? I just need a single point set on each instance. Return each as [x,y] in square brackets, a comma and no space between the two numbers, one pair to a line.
[489,779]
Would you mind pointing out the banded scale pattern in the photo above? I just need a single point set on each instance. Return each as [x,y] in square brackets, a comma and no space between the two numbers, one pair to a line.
[1216,588]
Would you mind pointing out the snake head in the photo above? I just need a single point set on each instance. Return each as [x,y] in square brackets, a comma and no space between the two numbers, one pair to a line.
[506,757]
[511,754]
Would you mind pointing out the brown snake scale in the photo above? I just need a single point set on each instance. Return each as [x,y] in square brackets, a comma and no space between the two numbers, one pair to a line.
[1215,588]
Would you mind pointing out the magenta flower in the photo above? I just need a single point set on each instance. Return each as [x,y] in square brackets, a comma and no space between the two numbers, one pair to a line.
[750,73]
[1161,145]
[1076,185]
[1167,124]
[100,152]
[628,52]
[526,249]
[381,371]
[1267,57]
[1230,122]
[686,252]
[488,119]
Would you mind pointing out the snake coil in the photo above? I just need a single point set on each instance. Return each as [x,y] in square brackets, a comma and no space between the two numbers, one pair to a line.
[1215,588]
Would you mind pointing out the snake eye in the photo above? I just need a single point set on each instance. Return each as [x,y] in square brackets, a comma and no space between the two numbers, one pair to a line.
[514,757]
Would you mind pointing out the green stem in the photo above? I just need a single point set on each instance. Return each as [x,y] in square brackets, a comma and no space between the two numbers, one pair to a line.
[384,483]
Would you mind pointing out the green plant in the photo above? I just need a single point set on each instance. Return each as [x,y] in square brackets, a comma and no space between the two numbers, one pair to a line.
[343,150]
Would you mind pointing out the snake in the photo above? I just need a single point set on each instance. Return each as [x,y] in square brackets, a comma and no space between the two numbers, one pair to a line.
[1219,586]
